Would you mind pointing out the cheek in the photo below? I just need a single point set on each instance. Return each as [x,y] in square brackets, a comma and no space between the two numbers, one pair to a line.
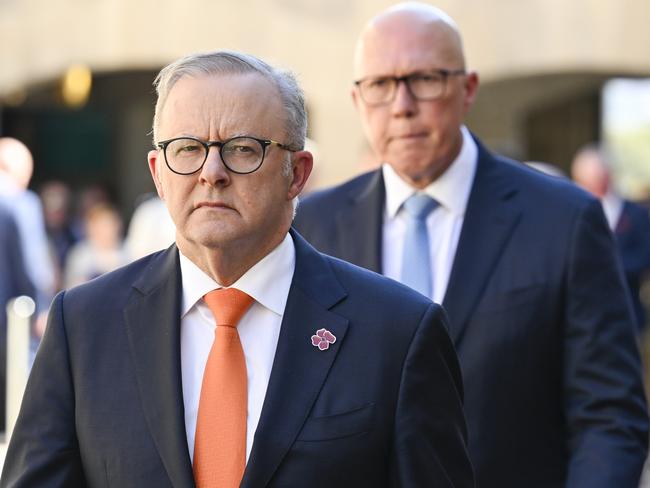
[376,128]
[166,185]
[177,198]
[442,121]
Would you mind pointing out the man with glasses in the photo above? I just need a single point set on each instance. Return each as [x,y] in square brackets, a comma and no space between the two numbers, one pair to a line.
[239,356]
[523,263]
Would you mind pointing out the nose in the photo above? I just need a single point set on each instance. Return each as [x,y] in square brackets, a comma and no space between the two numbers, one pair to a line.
[404,104]
[214,172]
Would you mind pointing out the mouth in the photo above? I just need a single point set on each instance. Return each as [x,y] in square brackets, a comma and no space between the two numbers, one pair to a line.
[216,205]
[411,136]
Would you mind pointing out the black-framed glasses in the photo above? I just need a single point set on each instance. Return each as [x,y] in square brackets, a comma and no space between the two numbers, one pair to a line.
[422,85]
[241,154]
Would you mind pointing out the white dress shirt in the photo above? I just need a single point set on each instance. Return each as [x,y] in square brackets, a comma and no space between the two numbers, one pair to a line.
[268,282]
[613,208]
[451,190]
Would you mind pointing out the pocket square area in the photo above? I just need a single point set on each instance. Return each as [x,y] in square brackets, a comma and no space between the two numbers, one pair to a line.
[339,425]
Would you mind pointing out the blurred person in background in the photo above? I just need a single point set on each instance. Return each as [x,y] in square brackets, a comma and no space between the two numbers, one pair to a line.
[57,206]
[523,263]
[102,249]
[14,282]
[629,221]
[151,228]
[16,168]
[88,197]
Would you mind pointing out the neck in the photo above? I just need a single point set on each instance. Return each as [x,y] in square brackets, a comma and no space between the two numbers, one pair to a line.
[226,264]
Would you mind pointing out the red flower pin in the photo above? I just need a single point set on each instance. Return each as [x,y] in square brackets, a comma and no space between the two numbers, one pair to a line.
[323,339]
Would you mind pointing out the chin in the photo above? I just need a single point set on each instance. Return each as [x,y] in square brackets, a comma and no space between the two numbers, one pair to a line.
[212,235]
[417,173]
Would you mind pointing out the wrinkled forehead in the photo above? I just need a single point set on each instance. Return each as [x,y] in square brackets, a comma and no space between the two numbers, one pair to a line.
[198,105]
[404,42]
[218,86]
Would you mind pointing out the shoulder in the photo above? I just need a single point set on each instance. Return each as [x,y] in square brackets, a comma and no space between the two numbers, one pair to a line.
[347,190]
[636,210]
[533,188]
[378,295]
[317,213]
[112,289]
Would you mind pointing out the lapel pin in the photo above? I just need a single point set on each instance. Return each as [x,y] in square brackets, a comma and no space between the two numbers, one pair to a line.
[322,339]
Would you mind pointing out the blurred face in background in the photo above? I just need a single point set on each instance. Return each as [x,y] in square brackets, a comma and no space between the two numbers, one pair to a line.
[16,161]
[56,199]
[589,171]
[104,227]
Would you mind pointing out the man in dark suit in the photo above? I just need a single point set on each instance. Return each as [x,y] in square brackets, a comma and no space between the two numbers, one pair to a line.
[629,221]
[522,262]
[14,282]
[349,379]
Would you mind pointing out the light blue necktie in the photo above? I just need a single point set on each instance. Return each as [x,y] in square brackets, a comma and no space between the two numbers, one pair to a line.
[416,261]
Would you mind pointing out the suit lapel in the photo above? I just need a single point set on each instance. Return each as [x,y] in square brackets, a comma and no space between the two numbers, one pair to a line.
[299,369]
[359,225]
[153,329]
[490,219]
[624,221]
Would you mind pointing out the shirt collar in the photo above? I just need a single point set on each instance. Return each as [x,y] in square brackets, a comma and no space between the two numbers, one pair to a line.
[451,189]
[612,206]
[268,281]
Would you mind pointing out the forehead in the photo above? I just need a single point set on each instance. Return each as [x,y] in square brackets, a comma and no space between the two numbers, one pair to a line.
[404,44]
[589,163]
[221,106]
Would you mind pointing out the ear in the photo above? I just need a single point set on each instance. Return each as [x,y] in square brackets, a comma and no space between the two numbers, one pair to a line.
[471,89]
[354,93]
[303,163]
[155,161]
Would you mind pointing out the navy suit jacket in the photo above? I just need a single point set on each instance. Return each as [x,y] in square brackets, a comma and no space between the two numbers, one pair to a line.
[382,407]
[632,234]
[540,319]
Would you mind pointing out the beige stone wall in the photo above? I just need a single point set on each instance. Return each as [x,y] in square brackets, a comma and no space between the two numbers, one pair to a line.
[503,39]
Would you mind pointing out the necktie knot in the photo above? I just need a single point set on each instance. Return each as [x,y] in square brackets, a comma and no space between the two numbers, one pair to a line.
[420,205]
[228,305]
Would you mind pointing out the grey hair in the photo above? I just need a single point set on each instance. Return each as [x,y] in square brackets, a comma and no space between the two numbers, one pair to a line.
[232,62]
[601,150]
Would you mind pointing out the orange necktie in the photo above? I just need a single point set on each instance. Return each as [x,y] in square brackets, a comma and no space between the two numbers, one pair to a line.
[220,441]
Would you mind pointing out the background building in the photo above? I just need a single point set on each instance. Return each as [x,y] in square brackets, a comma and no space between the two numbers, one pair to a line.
[542,63]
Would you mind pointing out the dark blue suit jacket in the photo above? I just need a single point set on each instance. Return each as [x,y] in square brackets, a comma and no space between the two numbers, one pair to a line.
[380,408]
[14,282]
[540,318]
[632,234]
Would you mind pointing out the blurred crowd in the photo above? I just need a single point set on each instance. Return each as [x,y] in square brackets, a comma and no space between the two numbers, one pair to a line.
[64,238]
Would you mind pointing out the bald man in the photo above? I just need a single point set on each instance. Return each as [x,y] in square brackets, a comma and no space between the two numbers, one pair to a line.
[629,222]
[523,262]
